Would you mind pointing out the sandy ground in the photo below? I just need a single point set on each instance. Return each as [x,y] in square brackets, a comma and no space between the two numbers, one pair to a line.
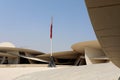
[11,72]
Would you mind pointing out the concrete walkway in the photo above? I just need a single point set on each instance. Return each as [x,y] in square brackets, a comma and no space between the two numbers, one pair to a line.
[10,72]
[106,71]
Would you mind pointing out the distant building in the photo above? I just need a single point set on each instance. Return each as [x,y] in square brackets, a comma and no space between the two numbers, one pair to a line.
[9,54]
[84,53]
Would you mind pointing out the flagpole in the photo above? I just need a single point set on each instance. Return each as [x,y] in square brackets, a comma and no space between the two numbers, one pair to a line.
[51,62]
[51,34]
[51,47]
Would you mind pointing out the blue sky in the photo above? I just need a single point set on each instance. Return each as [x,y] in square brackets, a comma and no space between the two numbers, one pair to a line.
[26,23]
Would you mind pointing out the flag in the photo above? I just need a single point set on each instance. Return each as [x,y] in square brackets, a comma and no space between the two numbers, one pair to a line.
[51,31]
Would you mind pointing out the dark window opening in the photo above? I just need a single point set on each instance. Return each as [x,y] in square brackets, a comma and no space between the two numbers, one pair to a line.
[65,61]
[23,60]
[38,62]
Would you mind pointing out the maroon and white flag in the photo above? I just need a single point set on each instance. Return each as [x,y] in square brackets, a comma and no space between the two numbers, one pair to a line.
[51,31]
[51,26]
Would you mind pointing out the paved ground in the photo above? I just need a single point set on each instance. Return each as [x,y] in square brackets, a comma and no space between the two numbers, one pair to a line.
[10,72]
[106,71]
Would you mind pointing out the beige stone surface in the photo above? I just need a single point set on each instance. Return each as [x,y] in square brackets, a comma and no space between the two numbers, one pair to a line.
[10,72]
[7,44]
[80,47]
[105,18]
[62,55]
[104,71]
